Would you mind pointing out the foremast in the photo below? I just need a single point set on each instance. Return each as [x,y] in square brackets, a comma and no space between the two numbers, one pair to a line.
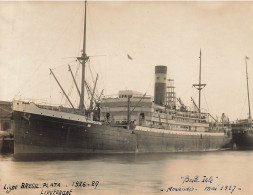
[83,59]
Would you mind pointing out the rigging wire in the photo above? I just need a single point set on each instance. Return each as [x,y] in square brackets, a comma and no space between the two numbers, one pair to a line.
[50,77]
[194,97]
[48,53]
[72,84]
[208,110]
[96,90]
[241,86]
[62,96]
[71,88]
[65,64]
[150,83]
[242,109]
[250,85]
[92,68]
[91,72]
[77,100]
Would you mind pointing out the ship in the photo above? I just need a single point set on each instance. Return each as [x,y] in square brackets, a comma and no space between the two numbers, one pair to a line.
[242,130]
[6,130]
[6,142]
[132,122]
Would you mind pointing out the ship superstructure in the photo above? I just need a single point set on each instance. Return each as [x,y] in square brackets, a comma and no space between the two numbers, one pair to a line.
[154,112]
[148,112]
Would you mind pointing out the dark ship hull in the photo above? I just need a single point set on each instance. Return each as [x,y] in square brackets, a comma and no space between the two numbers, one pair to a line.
[40,134]
[242,135]
[6,132]
[242,138]
[6,145]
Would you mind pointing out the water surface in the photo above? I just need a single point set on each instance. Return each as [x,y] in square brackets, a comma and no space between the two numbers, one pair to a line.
[227,172]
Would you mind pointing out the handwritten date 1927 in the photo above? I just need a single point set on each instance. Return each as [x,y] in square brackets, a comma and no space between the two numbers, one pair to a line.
[85,184]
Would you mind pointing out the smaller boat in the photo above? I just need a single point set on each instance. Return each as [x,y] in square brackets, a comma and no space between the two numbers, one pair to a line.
[6,128]
[242,130]
[6,142]
[242,134]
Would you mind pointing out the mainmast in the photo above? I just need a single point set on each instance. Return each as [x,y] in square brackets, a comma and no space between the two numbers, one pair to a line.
[199,86]
[83,59]
[246,58]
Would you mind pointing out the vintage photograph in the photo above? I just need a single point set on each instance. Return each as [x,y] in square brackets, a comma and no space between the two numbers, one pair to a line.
[126,97]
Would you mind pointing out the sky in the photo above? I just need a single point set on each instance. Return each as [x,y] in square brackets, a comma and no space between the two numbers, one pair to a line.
[36,36]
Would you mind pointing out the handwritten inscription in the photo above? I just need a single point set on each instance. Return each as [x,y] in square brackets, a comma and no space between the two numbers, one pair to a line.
[85,184]
[56,192]
[9,188]
[196,179]
[229,188]
[180,189]
[29,185]
[201,183]
[51,188]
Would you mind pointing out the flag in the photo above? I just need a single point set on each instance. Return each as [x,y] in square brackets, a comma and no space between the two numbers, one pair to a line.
[246,57]
[129,57]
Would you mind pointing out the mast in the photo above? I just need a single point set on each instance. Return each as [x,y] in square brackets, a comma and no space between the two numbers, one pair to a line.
[128,111]
[246,58]
[83,60]
[199,86]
